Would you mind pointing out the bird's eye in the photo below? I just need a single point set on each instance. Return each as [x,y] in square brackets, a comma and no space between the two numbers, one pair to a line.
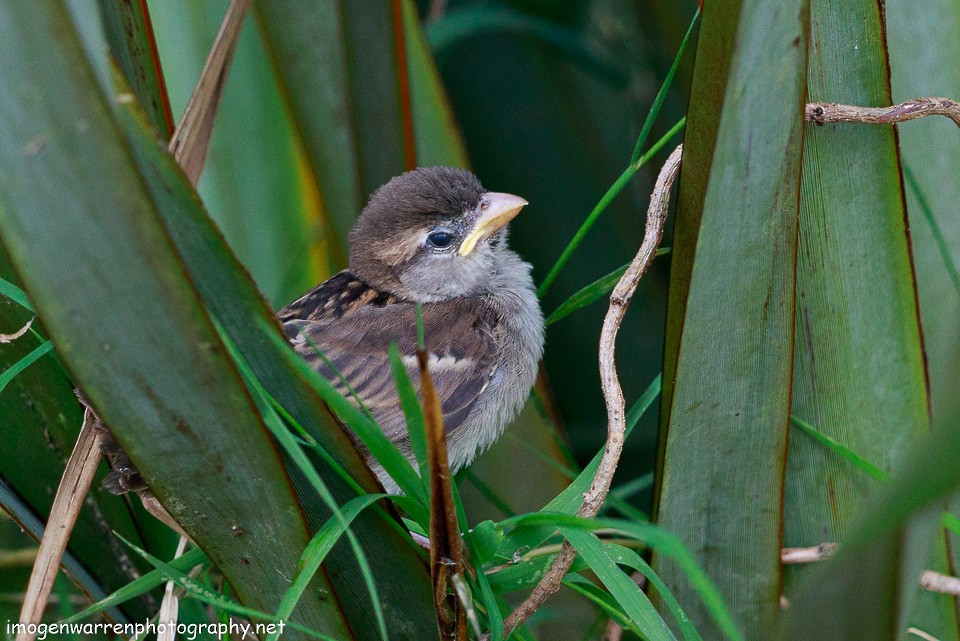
[440,239]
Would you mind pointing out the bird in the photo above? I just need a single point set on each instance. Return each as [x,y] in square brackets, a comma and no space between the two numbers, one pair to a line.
[432,238]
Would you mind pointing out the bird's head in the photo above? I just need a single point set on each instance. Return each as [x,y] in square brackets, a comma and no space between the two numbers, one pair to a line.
[432,234]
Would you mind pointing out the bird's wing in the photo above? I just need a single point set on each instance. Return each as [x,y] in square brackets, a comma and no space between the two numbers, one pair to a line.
[344,329]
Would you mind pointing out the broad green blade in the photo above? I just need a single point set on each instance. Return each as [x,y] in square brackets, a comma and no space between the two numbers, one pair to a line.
[859,368]
[721,484]
[715,46]
[127,320]
[437,134]
[341,70]
[251,184]
[129,33]
[919,36]
[41,419]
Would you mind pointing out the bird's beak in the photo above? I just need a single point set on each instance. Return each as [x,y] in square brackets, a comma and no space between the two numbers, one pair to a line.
[497,210]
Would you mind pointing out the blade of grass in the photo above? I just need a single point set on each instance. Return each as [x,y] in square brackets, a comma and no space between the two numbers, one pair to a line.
[942,247]
[292,449]
[662,93]
[32,357]
[631,559]
[601,206]
[316,551]
[382,449]
[569,500]
[15,294]
[412,410]
[627,593]
[141,585]
[604,601]
[216,599]
[592,292]
[835,446]
[659,540]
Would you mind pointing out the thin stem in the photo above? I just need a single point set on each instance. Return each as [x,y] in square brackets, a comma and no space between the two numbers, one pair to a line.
[607,198]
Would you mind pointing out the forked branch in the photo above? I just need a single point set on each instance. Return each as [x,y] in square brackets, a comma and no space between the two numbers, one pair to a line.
[822,113]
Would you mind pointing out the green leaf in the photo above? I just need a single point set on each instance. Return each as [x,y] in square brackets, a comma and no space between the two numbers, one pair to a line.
[721,484]
[412,412]
[859,362]
[592,292]
[627,593]
[141,585]
[129,33]
[14,293]
[835,446]
[112,253]
[604,601]
[917,37]
[216,599]
[314,554]
[661,542]
[345,75]
[877,401]
[628,557]
[33,356]
[41,418]
[267,221]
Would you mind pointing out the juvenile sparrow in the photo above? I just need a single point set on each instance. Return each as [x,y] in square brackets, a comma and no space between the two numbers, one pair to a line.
[432,236]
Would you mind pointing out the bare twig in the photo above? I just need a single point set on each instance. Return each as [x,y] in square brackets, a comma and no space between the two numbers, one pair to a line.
[9,338]
[930,580]
[926,636]
[191,139]
[76,481]
[619,301]
[822,113]
[808,555]
[937,582]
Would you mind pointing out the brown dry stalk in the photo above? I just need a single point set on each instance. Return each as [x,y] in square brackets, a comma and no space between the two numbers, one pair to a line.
[612,394]
[822,113]
[191,139]
[446,551]
[73,488]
